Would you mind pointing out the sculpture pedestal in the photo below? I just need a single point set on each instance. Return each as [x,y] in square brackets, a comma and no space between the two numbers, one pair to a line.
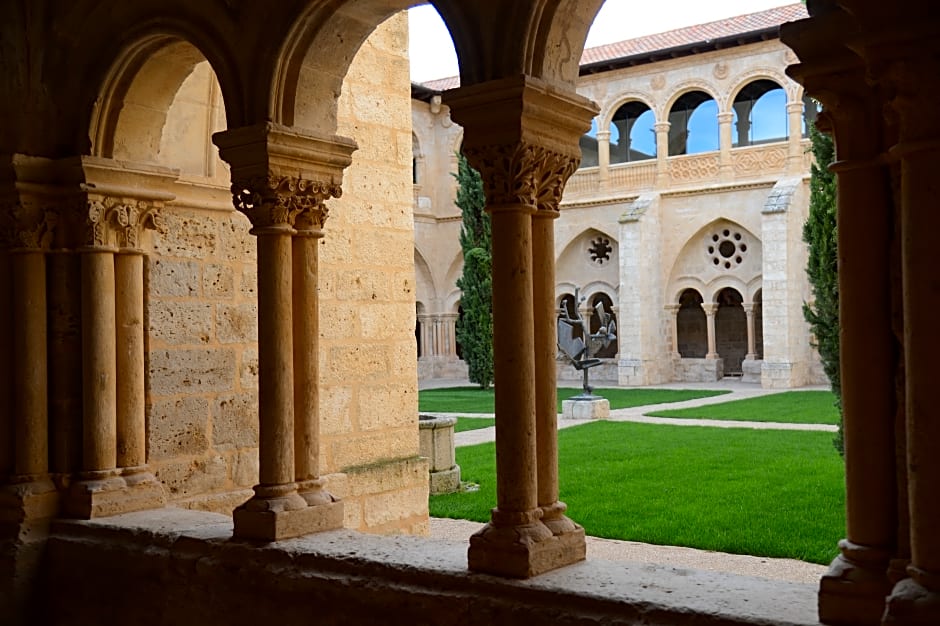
[585,407]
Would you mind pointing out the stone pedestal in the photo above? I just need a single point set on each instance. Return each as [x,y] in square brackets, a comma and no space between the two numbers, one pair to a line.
[751,369]
[585,407]
[436,442]
[91,498]
[274,525]
[524,551]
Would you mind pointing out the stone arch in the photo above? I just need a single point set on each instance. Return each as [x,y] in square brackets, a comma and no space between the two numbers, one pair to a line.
[315,56]
[693,84]
[610,108]
[425,288]
[632,116]
[731,330]
[759,109]
[129,119]
[693,123]
[757,73]
[691,325]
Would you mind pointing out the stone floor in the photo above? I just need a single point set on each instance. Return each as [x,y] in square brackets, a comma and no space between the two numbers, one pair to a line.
[634,552]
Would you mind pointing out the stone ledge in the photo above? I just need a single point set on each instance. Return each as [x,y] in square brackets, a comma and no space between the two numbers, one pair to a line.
[180,566]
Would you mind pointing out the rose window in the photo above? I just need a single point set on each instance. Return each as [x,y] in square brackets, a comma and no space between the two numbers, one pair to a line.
[727,249]
[600,250]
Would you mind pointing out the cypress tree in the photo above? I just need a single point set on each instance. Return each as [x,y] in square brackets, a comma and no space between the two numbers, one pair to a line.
[475,326]
[819,232]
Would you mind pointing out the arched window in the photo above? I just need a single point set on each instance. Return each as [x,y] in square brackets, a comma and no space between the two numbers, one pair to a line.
[632,137]
[595,324]
[589,147]
[693,124]
[759,324]
[760,114]
[691,326]
[731,331]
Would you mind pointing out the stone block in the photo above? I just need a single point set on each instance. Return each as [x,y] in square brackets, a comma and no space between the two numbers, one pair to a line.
[248,370]
[236,323]
[235,421]
[507,552]
[592,408]
[356,449]
[187,235]
[235,239]
[385,508]
[180,323]
[178,427]
[276,525]
[93,499]
[245,468]
[387,406]
[436,441]
[171,278]
[218,281]
[335,407]
[191,371]
[248,284]
[379,321]
[383,476]
[445,481]
[190,477]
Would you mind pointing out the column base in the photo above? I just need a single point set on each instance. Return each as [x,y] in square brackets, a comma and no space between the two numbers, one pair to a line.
[853,591]
[277,525]
[912,604]
[103,494]
[28,500]
[582,407]
[554,518]
[523,550]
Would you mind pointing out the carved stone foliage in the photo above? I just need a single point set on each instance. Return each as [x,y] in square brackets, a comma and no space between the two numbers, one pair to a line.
[523,174]
[113,222]
[27,227]
[284,200]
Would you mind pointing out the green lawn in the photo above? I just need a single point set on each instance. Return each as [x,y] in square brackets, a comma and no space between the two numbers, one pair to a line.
[765,493]
[797,407]
[473,423]
[476,400]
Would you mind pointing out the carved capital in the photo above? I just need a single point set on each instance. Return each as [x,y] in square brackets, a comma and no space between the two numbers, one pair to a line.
[114,222]
[274,200]
[27,227]
[523,174]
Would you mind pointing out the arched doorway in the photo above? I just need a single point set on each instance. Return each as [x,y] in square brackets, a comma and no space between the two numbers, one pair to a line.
[731,331]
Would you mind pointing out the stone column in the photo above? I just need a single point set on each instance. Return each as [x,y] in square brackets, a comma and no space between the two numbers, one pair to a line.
[450,334]
[424,329]
[916,600]
[31,494]
[751,332]
[743,109]
[306,312]
[795,138]
[546,346]
[724,144]
[710,309]
[7,365]
[662,152]
[281,175]
[673,311]
[853,590]
[517,132]
[603,158]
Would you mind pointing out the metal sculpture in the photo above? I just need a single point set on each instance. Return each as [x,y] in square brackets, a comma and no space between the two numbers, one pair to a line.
[572,344]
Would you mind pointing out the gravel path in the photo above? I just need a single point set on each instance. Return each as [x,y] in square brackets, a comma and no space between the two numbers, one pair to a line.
[631,551]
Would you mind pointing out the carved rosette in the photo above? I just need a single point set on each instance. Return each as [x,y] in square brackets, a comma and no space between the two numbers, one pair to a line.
[113,222]
[523,174]
[270,201]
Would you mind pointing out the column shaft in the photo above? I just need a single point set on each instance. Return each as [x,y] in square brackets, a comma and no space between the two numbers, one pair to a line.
[30,411]
[603,156]
[276,358]
[7,367]
[99,374]
[673,310]
[710,310]
[514,359]
[129,323]
[751,333]
[65,369]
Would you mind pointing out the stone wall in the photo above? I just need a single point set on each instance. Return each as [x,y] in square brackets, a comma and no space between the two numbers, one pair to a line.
[202,312]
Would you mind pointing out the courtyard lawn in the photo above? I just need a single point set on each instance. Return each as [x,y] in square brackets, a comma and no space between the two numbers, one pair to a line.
[796,407]
[473,423]
[765,493]
[476,400]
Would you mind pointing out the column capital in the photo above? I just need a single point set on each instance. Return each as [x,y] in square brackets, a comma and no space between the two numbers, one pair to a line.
[710,308]
[672,308]
[281,176]
[725,117]
[662,127]
[24,227]
[748,308]
[111,222]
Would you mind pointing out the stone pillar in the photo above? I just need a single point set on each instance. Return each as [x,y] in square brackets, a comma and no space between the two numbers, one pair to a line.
[450,334]
[751,332]
[710,309]
[113,476]
[603,158]
[424,329]
[673,311]
[916,600]
[662,152]
[853,590]
[7,447]
[743,110]
[30,494]
[795,137]
[306,313]
[280,179]
[724,145]
[522,135]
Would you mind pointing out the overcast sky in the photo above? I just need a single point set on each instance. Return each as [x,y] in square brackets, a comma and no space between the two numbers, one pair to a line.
[432,52]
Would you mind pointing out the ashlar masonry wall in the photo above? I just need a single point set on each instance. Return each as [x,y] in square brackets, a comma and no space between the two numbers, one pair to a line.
[202,313]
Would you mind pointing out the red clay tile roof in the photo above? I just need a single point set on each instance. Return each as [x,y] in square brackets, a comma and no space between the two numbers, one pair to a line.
[729,27]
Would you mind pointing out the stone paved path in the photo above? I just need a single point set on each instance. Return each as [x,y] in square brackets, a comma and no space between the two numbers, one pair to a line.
[609,549]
